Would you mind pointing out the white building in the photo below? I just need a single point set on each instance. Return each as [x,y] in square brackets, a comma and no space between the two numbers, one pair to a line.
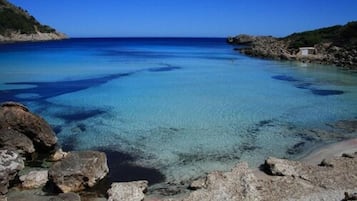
[305,51]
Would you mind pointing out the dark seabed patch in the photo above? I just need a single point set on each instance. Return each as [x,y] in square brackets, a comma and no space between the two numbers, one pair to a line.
[79,115]
[285,78]
[308,86]
[69,143]
[122,168]
[45,90]
[163,69]
[326,92]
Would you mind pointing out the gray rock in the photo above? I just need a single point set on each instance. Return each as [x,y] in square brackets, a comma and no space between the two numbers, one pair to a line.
[238,184]
[36,195]
[13,140]
[79,170]
[66,197]
[10,163]
[282,167]
[17,117]
[124,191]
[34,179]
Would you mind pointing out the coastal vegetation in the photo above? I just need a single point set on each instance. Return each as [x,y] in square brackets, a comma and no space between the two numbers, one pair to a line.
[15,19]
[335,45]
[343,36]
[16,24]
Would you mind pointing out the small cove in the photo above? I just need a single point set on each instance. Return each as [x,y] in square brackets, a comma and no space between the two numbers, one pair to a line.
[170,110]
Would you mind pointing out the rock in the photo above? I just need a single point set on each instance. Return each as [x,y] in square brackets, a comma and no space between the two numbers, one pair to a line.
[242,39]
[347,155]
[17,117]
[58,155]
[350,196]
[34,179]
[282,167]
[15,141]
[66,197]
[198,184]
[238,184]
[133,191]
[36,195]
[10,163]
[79,170]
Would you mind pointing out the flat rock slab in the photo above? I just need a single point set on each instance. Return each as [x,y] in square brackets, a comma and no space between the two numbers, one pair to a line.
[133,191]
[79,170]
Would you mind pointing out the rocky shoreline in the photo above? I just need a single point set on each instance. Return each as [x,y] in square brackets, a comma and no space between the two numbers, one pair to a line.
[269,47]
[34,167]
[17,37]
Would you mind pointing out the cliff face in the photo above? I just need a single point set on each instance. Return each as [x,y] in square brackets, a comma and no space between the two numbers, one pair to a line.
[17,24]
[332,45]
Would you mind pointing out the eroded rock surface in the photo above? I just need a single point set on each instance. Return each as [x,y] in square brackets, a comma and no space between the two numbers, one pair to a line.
[34,179]
[79,170]
[15,116]
[133,191]
[238,184]
[10,163]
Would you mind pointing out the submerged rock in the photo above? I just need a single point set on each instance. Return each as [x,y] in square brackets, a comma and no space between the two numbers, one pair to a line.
[34,179]
[15,116]
[133,191]
[79,170]
[10,163]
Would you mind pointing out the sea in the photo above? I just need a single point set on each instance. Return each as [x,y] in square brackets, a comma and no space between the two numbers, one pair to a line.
[169,110]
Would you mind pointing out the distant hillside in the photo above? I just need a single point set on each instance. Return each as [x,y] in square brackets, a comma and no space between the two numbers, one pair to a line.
[331,45]
[16,24]
[341,36]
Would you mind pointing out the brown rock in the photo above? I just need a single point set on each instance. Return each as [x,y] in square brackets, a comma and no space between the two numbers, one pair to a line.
[17,117]
[79,170]
[16,141]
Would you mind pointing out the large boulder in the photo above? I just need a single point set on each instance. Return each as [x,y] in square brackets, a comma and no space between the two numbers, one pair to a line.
[34,179]
[133,191]
[79,170]
[17,117]
[10,163]
[16,141]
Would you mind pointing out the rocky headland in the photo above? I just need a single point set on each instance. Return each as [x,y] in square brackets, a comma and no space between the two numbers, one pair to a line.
[34,167]
[17,25]
[335,45]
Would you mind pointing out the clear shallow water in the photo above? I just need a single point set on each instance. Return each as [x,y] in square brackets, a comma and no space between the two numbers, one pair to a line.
[169,110]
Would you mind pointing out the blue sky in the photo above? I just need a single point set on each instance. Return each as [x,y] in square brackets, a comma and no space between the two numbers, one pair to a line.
[208,18]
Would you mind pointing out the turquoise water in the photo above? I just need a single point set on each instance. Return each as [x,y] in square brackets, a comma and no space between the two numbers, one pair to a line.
[170,110]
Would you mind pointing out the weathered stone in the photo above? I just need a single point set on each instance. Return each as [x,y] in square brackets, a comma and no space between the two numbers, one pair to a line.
[79,170]
[58,155]
[350,196]
[10,163]
[13,140]
[66,197]
[133,191]
[238,184]
[198,184]
[17,117]
[34,179]
[281,167]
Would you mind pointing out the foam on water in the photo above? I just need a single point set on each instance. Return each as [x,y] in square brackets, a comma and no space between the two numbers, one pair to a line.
[173,109]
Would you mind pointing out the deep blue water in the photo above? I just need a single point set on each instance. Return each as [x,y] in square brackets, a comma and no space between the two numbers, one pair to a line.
[171,109]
